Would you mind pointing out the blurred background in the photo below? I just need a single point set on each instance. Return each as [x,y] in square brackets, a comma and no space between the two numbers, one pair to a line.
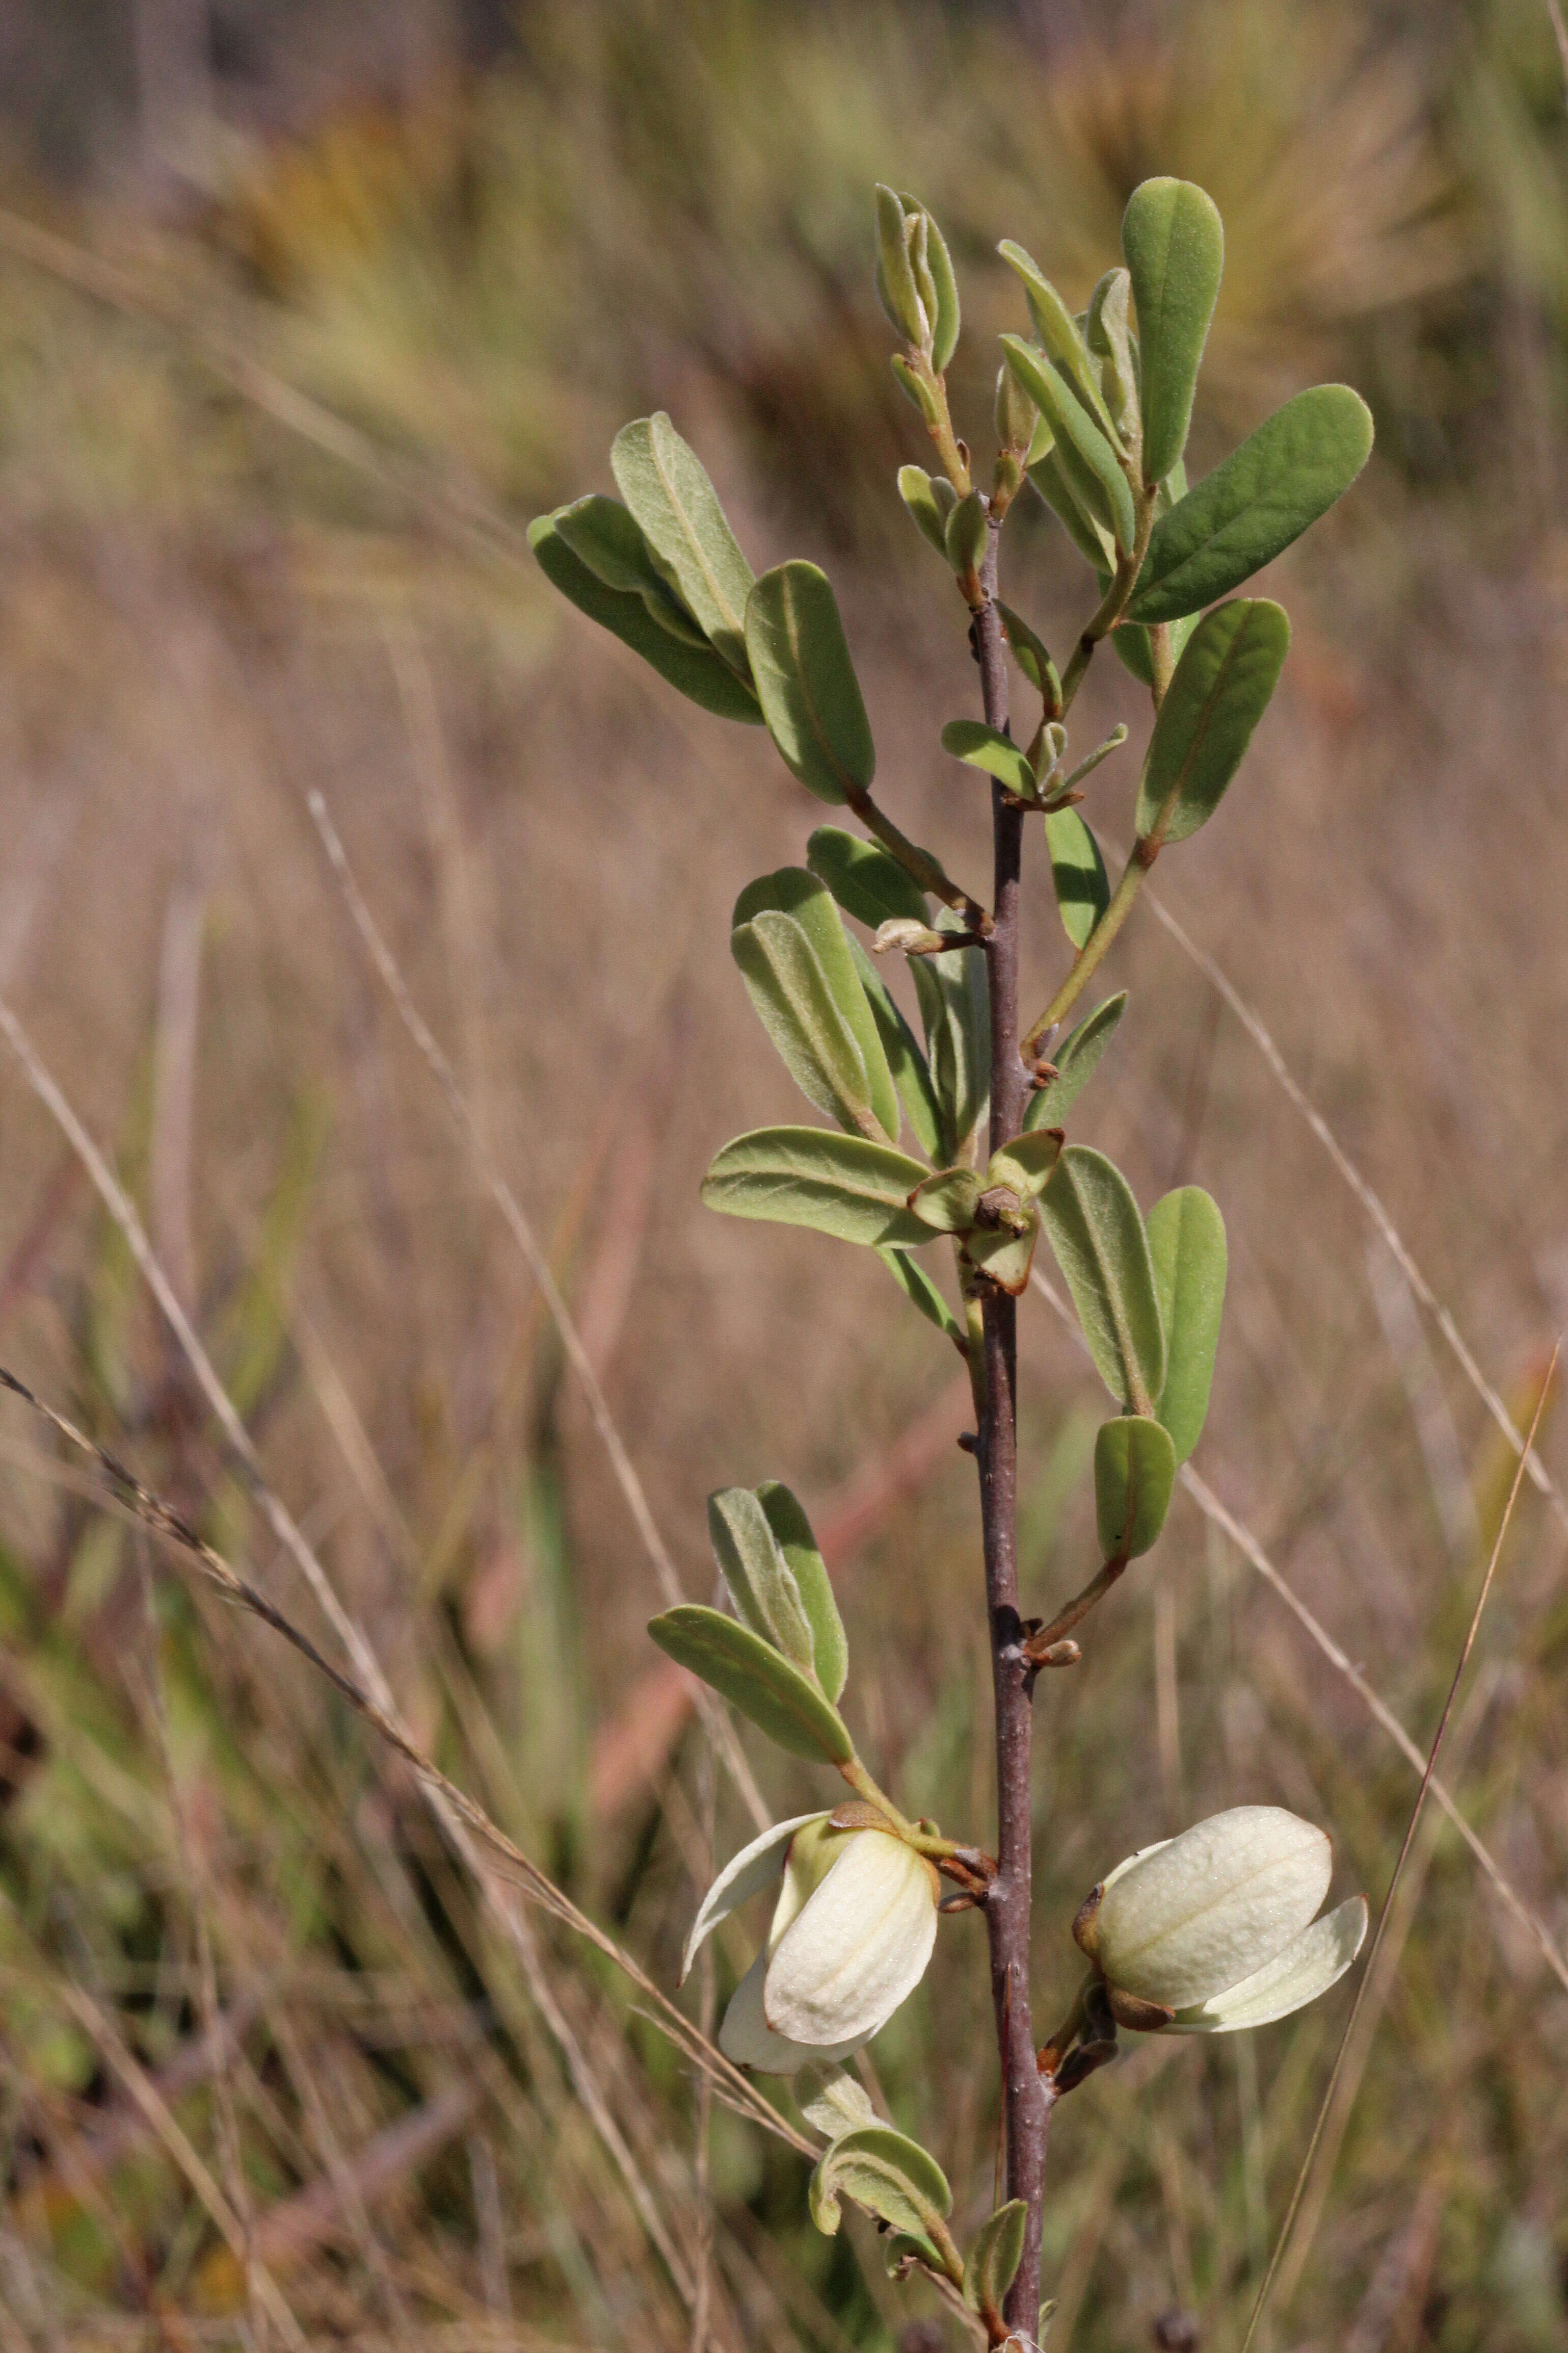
[304,312]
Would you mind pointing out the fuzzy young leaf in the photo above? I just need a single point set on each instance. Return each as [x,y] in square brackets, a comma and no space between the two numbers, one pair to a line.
[964,537]
[695,672]
[603,535]
[803,896]
[946,1202]
[1255,501]
[929,500]
[762,1582]
[806,683]
[841,1185]
[1174,246]
[1098,1235]
[832,2102]
[749,1674]
[792,1534]
[1108,332]
[787,985]
[921,1292]
[887,2174]
[1030,654]
[1078,437]
[1078,871]
[956,1006]
[1093,537]
[912,1075]
[981,747]
[1219,693]
[945,319]
[1057,330]
[866,879]
[666,486]
[1134,1472]
[1187,1247]
[895,272]
[994,2264]
[1076,1064]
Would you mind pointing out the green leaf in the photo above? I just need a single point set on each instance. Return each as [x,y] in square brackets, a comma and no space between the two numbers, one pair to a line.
[1108,332]
[761,1581]
[794,891]
[889,2175]
[1076,1064]
[1229,667]
[1094,540]
[1187,1243]
[1134,1472]
[1024,1164]
[916,389]
[994,2264]
[1029,653]
[604,536]
[806,682]
[894,271]
[912,1075]
[955,1007]
[965,536]
[665,485]
[1003,1254]
[1078,871]
[1130,643]
[983,746]
[1255,501]
[921,1292]
[866,879]
[1057,330]
[792,1534]
[945,326]
[840,1185]
[1174,246]
[750,1674]
[946,1202]
[1079,442]
[787,985]
[929,500]
[696,671]
[1097,1233]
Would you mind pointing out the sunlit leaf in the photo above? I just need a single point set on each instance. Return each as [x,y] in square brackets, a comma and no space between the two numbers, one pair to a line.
[1134,1472]
[1097,1232]
[841,1185]
[792,1534]
[929,500]
[1077,872]
[994,2262]
[945,326]
[981,747]
[1220,690]
[806,682]
[1187,1246]
[912,1074]
[604,535]
[1030,654]
[1079,442]
[806,900]
[749,1674]
[955,1007]
[947,1201]
[1255,501]
[866,879]
[1025,1163]
[1004,1254]
[1057,329]
[666,489]
[1175,246]
[762,1583]
[887,2174]
[1076,1061]
[696,671]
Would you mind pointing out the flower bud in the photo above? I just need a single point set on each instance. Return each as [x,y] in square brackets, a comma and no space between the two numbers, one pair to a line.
[1216,1927]
[896,282]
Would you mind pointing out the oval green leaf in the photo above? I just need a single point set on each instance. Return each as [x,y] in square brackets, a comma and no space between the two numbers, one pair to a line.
[955,1007]
[604,535]
[944,327]
[1076,1064]
[666,486]
[840,1185]
[762,1583]
[1187,1246]
[806,683]
[889,2175]
[912,1075]
[787,985]
[1098,1235]
[792,1534]
[695,671]
[866,879]
[1078,871]
[1221,688]
[1134,1472]
[749,1674]
[1174,246]
[794,891]
[993,2265]
[981,747]
[1255,501]
[1078,437]
[928,509]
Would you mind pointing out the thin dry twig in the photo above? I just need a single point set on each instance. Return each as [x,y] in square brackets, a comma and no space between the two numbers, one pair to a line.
[1241,1535]
[1466,1648]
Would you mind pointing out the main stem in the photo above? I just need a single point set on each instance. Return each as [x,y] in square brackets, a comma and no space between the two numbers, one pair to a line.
[1025,2102]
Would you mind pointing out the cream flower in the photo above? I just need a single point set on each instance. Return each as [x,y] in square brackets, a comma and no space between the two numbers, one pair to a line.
[851,1935]
[1216,1930]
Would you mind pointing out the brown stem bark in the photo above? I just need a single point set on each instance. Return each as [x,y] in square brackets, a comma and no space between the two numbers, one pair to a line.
[1026,2101]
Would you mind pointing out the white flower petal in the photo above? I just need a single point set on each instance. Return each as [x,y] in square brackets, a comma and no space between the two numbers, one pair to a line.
[1317,1959]
[748,2040]
[1192,1918]
[859,1946]
[745,1875]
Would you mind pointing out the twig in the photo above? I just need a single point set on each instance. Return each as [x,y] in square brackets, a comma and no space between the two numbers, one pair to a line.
[1366,1976]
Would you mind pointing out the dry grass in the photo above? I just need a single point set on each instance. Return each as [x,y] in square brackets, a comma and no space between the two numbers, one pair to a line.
[203,616]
